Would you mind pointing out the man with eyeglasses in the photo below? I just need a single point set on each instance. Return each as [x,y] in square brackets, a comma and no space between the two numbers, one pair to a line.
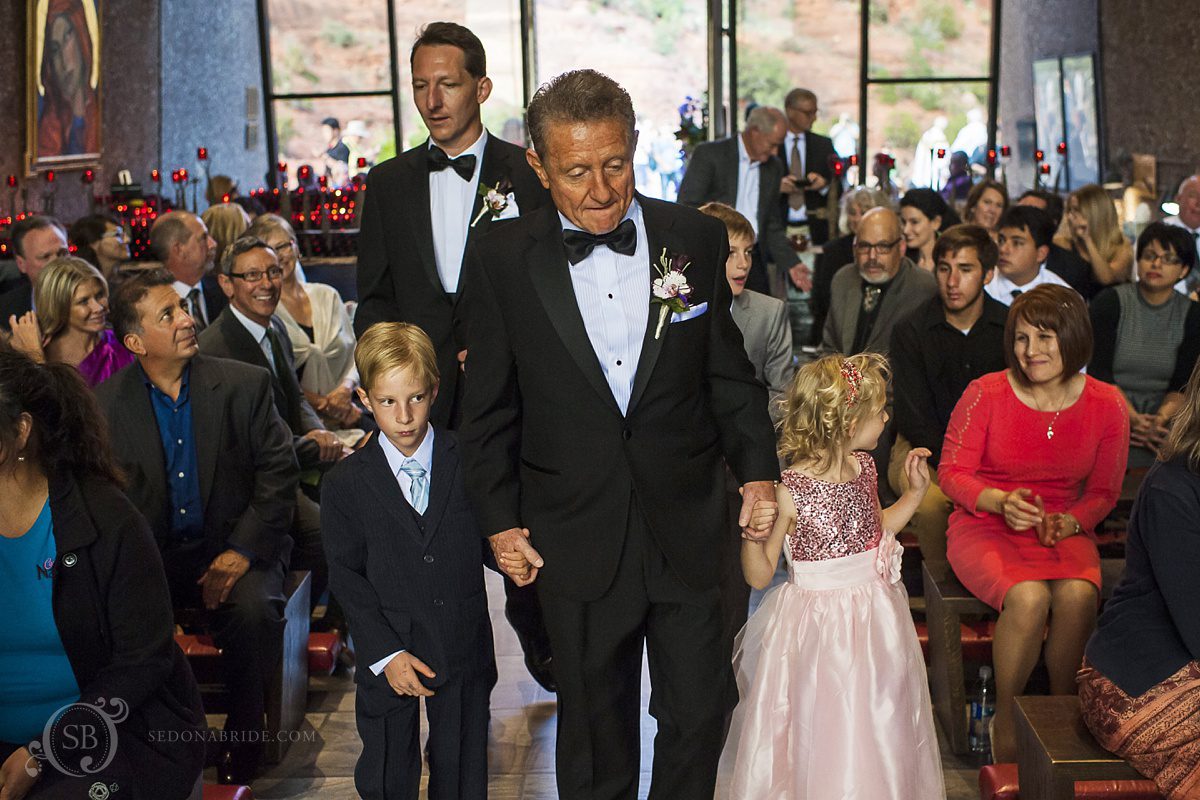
[880,288]
[807,155]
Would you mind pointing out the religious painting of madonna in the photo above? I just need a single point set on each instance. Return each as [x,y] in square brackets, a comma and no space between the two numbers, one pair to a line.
[63,84]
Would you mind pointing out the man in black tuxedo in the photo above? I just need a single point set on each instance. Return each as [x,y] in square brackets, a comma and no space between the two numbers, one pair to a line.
[36,242]
[248,331]
[595,428]
[742,171]
[807,157]
[422,212]
[180,240]
[211,467]
[423,208]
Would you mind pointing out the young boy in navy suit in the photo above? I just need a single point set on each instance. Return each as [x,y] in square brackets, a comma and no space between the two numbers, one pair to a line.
[406,563]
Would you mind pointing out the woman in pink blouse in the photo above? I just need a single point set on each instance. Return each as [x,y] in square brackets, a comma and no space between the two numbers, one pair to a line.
[1033,460]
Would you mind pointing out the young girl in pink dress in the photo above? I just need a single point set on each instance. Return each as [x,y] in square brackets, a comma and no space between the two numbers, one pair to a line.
[834,703]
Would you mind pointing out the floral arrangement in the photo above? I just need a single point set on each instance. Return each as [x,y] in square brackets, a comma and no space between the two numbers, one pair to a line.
[495,199]
[670,290]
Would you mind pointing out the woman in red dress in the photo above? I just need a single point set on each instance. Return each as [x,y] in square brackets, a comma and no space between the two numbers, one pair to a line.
[1033,460]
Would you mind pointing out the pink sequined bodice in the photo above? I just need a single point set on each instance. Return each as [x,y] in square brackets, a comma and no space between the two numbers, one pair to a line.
[834,519]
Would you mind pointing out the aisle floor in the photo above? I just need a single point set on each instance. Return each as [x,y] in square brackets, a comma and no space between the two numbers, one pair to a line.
[521,757]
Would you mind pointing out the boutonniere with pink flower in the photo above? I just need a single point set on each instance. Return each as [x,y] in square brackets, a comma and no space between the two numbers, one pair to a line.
[495,199]
[670,290]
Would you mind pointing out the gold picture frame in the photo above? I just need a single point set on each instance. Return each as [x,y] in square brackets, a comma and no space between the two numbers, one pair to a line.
[63,84]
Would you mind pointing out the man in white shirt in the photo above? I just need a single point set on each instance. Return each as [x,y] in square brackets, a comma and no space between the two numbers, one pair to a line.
[180,240]
[1025,235]
[1188,218]
[808,157]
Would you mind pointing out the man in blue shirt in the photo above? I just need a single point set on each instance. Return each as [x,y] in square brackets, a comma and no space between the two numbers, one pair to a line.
[211,466]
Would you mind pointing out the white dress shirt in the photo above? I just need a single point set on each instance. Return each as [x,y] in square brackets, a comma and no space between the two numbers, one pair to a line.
[424,457]
[260,335]
[613,294]
[796,216]
[747,186]
[183,290]
[450,202]
[1004,290]
[1182,287]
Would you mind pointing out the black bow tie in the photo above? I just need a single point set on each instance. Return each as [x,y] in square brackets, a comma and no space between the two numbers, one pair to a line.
[438,161]
[580,244]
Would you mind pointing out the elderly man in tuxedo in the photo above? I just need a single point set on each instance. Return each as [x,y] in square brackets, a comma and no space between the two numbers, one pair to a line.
[597,422]
[742,171]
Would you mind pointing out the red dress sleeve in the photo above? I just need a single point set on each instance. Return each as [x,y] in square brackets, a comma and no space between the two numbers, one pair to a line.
[963,447]
[1103,485]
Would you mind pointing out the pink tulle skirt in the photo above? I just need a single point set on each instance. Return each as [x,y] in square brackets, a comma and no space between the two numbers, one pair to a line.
[834,701]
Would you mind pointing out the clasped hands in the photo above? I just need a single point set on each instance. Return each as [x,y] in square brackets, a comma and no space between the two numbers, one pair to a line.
[1148,430]
[518,559]
[1021,514]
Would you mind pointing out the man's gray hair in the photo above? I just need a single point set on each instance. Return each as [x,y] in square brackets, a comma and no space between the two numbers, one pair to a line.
[582,95]
[765,119]
[167,231]
[241,246]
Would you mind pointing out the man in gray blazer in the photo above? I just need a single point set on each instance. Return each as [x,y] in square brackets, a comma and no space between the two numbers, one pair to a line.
[743,172]
[879,289]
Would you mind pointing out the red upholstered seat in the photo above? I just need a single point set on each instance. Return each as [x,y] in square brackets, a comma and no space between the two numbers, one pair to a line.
[323,651]
[999,782]
[214,792]
[976,640]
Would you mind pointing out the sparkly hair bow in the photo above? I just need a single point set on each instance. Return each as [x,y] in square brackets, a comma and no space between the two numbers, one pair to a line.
[853,378]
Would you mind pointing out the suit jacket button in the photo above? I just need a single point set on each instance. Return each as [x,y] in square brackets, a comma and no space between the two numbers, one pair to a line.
[626,434]
[428,559]
[439,603]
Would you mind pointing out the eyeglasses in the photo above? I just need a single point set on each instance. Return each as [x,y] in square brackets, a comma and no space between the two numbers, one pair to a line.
[883,248]
[1167,259]
[256,275]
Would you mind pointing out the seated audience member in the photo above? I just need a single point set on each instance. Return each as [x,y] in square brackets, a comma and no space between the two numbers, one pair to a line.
[226,222]
[1140,684]
[1093,232]
[767,337]
[211,467]
[319,328]
[1148,337]
[936,352]
[839,252]
[924,215]
[1063,262]
[180,240]
[248,331]
[400,535]
[1033,460]
[98,628]
[71,326]
[880,288]
[221,189]
[1188,218]
[986,202]
[1025,236]
[36,242]
[958,185]
[100,240]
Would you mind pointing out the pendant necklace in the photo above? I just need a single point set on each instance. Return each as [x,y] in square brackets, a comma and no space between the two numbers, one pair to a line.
[1054,419]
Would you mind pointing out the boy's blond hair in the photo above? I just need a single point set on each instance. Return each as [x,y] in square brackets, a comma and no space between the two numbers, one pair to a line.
[386,346]
[736,225]
[825,397]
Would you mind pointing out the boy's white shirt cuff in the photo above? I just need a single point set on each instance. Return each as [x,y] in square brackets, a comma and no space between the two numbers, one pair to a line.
[694,311]
[379,666]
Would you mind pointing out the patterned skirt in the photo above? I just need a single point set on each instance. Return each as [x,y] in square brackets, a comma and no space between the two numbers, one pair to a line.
[1158,732]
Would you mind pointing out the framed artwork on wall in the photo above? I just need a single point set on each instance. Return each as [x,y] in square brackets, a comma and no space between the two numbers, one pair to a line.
[1048,117]
[1080,120]
[63,84]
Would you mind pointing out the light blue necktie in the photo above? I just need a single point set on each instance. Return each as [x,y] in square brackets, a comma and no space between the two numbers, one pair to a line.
[419,491]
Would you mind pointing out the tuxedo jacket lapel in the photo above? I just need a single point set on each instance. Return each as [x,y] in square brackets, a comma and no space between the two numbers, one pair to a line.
[659,236]
[492,170]
[551,277]
[415,195]
[207,417]
[378,475]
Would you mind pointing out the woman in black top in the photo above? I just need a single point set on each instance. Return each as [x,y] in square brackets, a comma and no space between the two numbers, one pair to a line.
[87,615]
[1140,682]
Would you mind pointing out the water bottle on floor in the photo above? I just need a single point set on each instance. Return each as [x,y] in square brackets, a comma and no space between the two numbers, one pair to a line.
[982,709]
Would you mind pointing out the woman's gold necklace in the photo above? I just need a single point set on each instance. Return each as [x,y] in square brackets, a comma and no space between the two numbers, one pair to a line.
[1054,419]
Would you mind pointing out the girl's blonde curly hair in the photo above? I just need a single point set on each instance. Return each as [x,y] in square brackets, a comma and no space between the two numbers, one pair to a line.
[825,397]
